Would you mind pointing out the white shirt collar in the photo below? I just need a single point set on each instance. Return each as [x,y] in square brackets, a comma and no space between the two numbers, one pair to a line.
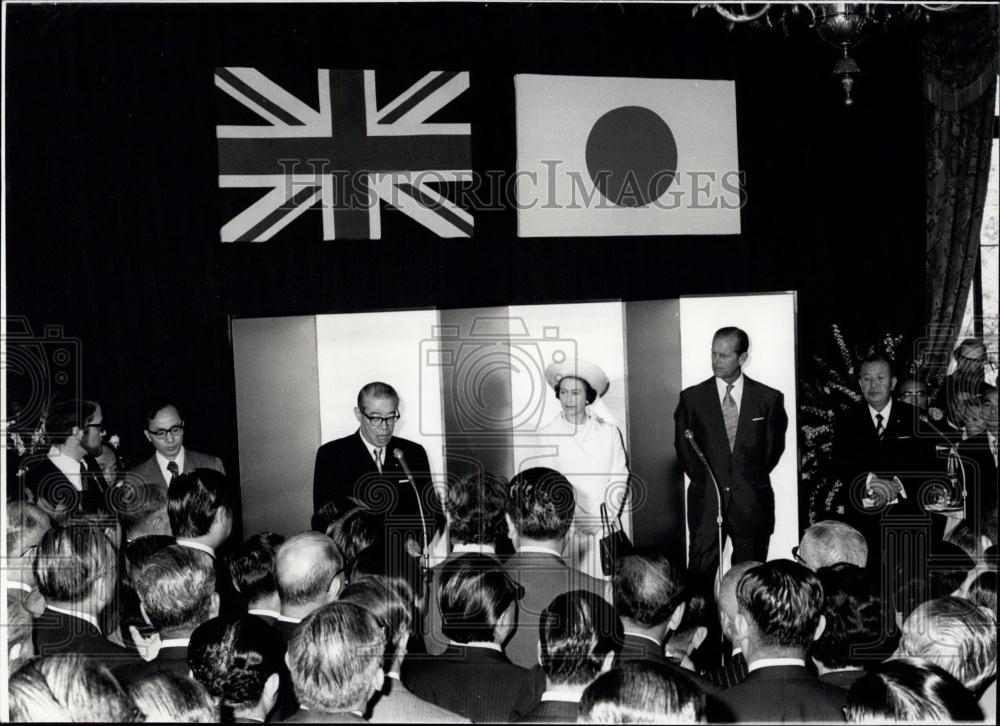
[479,644]
[175,643]
[196,546]
[643,635]
[70,467]
[75,614]
[394,675]
[15,585]
[483,549]
[289,619]
[737,392]
[562,694]
[264,612]
[771,662]
[162,462]
[872,413]
[539,550]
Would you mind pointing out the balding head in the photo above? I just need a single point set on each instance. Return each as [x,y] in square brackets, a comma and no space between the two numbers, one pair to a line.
[308,569]
[727,595]
[830,542]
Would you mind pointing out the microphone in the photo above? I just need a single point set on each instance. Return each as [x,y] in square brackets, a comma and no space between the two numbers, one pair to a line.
[925,419]
[689,435]
[955,464]
[398,453]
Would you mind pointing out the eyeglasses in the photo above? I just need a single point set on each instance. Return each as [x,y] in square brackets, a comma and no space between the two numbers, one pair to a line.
[161,434]
[379,421]
[913,394]
[795,555]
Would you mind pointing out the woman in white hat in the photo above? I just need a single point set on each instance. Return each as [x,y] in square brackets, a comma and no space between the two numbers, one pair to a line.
[587,450]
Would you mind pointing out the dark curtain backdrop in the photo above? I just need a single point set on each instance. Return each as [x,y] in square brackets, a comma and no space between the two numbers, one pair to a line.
[112,201]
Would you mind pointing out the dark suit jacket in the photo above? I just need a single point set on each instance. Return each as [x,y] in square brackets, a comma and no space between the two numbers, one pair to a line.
[56,634]
[553,712]
[172,659]
[345,469]
[543,577]
[52,489]
[397,705]
[150,472]
[842,679]
[744,473]
[477,683]
[733,672]
[980,476]
[784,693]
[639,648]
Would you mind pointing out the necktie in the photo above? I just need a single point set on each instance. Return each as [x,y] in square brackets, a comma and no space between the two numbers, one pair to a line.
[879,426]
[730,415]
[172,468]
[378,459]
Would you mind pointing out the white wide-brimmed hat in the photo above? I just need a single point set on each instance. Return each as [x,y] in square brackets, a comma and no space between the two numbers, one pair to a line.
[576,368]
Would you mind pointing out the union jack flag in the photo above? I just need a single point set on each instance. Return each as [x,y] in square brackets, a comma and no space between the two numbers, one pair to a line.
[345,156]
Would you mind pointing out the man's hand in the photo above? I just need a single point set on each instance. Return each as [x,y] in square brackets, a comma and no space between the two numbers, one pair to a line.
[882,491]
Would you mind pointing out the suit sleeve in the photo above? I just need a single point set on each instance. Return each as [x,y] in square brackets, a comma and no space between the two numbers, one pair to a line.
[777,425]
[321,478]
[682,422]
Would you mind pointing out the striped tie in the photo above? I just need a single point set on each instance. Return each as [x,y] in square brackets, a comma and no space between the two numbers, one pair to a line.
[880,427]
[731,415]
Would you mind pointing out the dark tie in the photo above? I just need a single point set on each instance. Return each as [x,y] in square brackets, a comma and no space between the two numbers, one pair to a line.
[730,414]
[172,468]
[879,426]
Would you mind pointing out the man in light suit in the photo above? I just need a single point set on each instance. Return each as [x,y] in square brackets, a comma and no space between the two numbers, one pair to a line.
[740,426]
[165,431]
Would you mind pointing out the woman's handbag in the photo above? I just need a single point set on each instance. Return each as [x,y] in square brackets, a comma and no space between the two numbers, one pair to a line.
[614,542]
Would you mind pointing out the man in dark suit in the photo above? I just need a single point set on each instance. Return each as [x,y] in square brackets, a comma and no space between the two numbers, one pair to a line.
[779,616]
[740,426]
[77,574]
[176,589]
[363,468]
[978,455]
[539,514]
[165,431]
[734,667]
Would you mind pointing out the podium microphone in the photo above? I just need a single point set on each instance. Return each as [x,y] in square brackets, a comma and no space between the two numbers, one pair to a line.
[398,453]
[954,458]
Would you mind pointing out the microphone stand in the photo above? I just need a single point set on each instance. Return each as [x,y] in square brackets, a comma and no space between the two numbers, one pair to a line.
[426,557]
[689,435]
[953,456]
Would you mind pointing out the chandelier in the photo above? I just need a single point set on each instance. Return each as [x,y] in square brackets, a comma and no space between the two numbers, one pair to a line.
[842,25]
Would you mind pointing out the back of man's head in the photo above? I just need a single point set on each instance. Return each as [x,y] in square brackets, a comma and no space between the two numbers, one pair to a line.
[727,595]
[73,562]
[335,658]
[234,656]
[828,542]
[68,688]
[853,613]
[306,566]
[648,587]
[576,633]
[782,602]
[26,524]
[541,504]
[642,692]
[194,500]
[137,505]
[63,416]
[252,566]
[476,505]
[176,587]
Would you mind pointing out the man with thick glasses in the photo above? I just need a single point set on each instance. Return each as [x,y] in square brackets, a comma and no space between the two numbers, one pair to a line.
[165,431]
[363,468]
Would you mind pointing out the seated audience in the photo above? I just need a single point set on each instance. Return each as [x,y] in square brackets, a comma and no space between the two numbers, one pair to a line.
[252,568]
[335,660]
[540,511]
[578,637]
[853,615]
[828,542]
[683,643]
[734,667]
[141,509]
[641,692]
[131,558]
[68,689]
[201,517]
[473,677]
[170,697]
[909,691]
[239,660]
[475,511]
[76,572]
[780,614]
[391,603]
[309,573]
[176,589]
[955,634]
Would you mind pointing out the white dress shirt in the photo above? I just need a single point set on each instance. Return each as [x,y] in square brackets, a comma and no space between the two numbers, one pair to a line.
[772,662]
[70,467]
[736,393]
[872,413]
[162,462]
[196,546]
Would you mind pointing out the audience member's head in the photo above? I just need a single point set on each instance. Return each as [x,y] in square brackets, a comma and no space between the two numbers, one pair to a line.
[68,426]
[390,601]
[476,506]
[309,572]
[909,691]
[780,610]
[251,567]
[323,517]
[176,588]
[238,659]
[335,658]
[477,599]
[18,628]
[68,689]
[957,635]
[726,597]
[853,613]
[828,542]
[199,504]
[935,576]
[134,555]
[914,392]
[642,692]
[391,562]
[540,506]
[354,531]
[970,538]
[141,509]
[76,565]
[107,460]
[26,524]
[164,428]
[170,697]
[649,592]
[579,634]
[982,589]
[684,642]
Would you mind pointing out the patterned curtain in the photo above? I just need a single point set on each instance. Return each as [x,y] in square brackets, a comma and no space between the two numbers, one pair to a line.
[960,82]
